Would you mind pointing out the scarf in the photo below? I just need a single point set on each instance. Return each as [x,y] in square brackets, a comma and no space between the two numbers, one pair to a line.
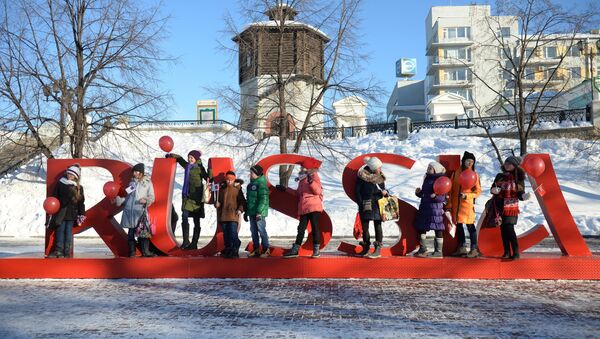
[186,180]
[66,181]
[374,178]
[508,193]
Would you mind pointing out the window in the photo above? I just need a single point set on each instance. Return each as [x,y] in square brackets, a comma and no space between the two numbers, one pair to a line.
[529,74]
[504,32]
[458,53]
[574,51]
[465,93]
[508,93]
[529,52]
[459,74]
[457,33]
[575,72]
[248,58]
[550,52]
[506,74]
[504,53]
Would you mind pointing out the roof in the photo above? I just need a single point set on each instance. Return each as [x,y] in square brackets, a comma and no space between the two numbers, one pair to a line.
[288,23]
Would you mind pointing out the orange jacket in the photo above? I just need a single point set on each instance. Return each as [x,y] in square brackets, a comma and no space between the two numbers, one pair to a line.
[462,210]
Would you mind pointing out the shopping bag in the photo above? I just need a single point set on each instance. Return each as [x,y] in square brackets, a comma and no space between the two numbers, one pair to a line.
[389,208]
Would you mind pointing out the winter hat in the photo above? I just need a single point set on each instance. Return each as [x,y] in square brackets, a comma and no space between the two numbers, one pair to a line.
[437,167]
[230,175]
[373,163]
[195,154]
[74,170]
[467,156]
[139,168]
[514,160]
[311,163]
[257,169]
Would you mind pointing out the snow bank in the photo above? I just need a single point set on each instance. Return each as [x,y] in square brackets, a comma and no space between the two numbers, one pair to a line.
[23,191]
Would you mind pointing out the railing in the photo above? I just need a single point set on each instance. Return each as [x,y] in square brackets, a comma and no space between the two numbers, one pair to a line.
[346,132]
[573,115]
[180,123]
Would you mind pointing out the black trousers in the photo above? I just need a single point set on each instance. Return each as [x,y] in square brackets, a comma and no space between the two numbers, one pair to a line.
[378,231]
[460,235]
[509,238]
[313,217]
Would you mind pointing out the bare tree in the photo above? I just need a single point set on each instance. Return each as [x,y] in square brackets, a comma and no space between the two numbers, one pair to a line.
[78,66]
[531,48]
[296,73]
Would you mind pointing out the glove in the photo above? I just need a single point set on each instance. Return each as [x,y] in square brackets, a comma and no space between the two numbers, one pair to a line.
[432,195]
[81,219]
[258,217]
[245,217]
[417,190]
[526,196]
[463,196]
[280,188]
[168,155]
[495,190]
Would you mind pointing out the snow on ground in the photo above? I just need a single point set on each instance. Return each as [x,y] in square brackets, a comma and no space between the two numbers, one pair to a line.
[575,161]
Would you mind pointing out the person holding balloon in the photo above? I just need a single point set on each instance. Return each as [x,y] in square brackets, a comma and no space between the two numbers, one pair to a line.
[140,195]
[509,188]
[461,204]
[430,215]
[71,204]
[192,196]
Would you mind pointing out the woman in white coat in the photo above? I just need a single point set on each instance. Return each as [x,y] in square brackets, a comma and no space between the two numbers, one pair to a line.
[140,195]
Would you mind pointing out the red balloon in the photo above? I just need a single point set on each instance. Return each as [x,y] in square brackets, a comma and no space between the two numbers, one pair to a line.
[442,185]
[51,205]
[467,179]
[166,143]
[534,166]
[111,190]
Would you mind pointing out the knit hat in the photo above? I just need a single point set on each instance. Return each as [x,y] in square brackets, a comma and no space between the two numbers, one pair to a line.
[437,167]
[74,170]
[467,156]
[195,154]
[230,175]
[514,160]
[139,168]
[373,163]
[257,169]
[311,163]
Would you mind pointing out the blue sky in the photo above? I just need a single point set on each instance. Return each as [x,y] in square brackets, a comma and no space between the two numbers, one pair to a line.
[391,29]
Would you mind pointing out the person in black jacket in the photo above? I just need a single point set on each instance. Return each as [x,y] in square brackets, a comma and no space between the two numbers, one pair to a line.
[72,210]
[370,187]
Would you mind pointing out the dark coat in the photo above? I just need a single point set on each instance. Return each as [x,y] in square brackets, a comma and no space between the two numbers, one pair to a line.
[231,200]
[70,207]
[367,188]
[193,202]
[519,174]
[430,215]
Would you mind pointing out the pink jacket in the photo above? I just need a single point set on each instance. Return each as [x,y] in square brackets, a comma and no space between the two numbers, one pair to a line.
[310,195]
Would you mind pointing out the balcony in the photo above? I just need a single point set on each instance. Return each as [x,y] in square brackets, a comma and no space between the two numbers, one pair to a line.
[439,63]
[445,84]
[539,61]
[434,45]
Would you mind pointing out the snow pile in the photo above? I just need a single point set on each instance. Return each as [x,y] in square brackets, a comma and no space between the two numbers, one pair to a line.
[23,191]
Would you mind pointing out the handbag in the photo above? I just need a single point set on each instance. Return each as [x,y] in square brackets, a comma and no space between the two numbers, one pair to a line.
[143,228]
[493,217]
[206,192]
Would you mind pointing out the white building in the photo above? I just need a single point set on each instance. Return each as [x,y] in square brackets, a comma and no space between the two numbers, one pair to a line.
[350,111]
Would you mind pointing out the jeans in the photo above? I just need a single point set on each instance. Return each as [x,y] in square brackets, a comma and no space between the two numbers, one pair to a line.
[378,231]
[64,236]
[314,222]
[230,235]
[259,227]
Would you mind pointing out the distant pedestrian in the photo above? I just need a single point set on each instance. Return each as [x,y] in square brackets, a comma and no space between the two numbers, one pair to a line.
[230,206]
[257,210]
[430,216]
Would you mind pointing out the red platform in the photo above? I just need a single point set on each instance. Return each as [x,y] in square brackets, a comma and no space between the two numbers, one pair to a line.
[530,266]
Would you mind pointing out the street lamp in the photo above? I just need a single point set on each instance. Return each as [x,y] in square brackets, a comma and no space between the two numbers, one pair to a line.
[586,48]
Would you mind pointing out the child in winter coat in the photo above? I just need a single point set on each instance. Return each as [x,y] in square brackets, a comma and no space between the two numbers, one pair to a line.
[509,188]
[257,210]
[370,187]
[72,210]
[192,191]
[310,206]
[430,215]
[140,195]
[230,205]
[461,203]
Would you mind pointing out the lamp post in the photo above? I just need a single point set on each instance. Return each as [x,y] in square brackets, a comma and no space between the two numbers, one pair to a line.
[587,49]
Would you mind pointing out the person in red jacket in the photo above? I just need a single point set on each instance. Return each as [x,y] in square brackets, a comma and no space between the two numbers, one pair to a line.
[310,206]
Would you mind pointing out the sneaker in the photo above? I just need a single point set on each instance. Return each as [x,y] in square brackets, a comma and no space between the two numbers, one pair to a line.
[254,254]
[421,253]
[461,251]
[474,253]
[266,253]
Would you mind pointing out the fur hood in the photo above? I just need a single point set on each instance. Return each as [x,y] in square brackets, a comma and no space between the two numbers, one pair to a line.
[368,176]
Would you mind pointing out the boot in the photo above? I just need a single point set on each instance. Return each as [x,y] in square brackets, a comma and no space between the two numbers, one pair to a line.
[422,252]
[293,253]
[194,244]
[254,254]
[474,253]
[515,249]
[506,245]
[185,229]
[460,252]
[366,246]
[316,251]
[54,254]
[438,244]
[146,248]
[131,244]
[376,253]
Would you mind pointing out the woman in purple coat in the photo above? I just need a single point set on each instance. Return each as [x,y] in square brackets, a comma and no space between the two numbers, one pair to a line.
[431,211]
